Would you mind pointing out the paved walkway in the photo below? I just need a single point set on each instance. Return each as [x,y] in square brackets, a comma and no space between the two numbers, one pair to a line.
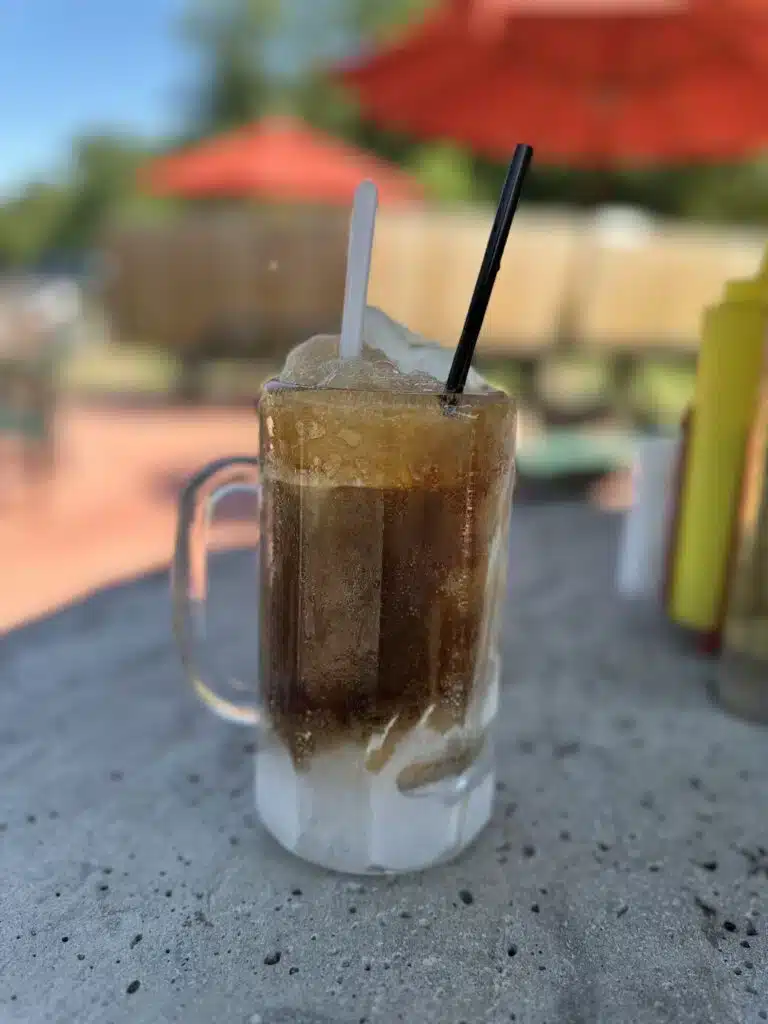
[109,512]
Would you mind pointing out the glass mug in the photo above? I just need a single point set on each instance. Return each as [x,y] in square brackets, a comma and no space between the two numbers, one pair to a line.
[383,550]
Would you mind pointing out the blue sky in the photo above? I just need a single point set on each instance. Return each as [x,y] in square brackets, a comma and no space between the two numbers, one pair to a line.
[70,65]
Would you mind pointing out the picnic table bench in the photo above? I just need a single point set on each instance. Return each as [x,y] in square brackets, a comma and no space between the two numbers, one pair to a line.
[624,876]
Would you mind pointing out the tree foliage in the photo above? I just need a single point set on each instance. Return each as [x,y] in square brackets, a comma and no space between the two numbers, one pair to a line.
[231,40]
[254,56]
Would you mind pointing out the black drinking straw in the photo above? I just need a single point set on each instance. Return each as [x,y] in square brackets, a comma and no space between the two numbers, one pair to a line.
[505,212]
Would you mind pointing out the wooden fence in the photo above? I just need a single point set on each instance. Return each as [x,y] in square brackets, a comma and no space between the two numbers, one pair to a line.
[255,282]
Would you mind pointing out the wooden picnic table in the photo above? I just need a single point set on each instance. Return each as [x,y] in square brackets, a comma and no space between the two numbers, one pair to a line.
[624,876]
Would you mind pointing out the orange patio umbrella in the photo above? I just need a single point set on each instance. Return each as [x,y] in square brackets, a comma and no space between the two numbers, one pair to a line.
[586,82]
[277,158]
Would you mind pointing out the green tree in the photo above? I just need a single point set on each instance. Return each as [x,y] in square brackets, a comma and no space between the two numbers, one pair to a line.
[341,28]
[258,55]
[232,40]
[737,194]
[373,21]
[446,172]
[103,176]
[47,219]
[28,222]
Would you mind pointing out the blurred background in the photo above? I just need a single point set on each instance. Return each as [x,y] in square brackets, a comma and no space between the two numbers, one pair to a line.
[175,184]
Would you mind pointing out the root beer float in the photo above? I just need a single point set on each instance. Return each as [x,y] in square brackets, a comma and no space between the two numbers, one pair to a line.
[382,583]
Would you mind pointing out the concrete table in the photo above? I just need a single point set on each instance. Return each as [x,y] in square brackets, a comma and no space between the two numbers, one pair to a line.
[624,878]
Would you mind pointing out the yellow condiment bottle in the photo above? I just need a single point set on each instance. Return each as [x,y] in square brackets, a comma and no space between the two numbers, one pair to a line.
[726,397]
[742,677]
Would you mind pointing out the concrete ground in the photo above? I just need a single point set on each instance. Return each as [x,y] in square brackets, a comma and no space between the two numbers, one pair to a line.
[623,878]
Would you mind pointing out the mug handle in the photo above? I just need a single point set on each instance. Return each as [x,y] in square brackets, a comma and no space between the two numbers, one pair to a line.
[189,584]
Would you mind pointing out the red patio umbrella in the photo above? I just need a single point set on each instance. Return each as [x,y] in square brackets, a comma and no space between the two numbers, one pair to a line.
[277,158]
[588,82]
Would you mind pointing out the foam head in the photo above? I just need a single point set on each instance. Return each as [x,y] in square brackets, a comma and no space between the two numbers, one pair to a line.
[392,359]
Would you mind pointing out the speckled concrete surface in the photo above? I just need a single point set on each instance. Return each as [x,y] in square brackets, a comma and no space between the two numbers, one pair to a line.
[624,877]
